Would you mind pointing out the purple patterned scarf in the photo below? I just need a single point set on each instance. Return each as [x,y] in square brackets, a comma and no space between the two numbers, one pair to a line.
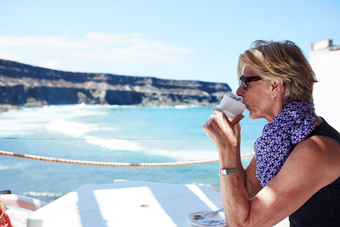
[292,125]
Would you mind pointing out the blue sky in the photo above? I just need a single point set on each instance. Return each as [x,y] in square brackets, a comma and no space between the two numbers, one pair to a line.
[173,39]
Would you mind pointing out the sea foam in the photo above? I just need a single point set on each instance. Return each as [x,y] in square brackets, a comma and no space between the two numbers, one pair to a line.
[27,121]
[114,144]
[185,155]
[129,145]
[71,128]
[18,165]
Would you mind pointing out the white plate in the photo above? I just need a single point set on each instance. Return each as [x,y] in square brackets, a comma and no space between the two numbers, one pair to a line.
[207,221]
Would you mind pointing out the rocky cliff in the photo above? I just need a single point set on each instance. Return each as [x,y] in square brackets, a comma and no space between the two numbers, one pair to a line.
[26,85]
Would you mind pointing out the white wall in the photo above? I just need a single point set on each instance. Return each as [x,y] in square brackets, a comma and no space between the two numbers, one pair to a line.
[325,60]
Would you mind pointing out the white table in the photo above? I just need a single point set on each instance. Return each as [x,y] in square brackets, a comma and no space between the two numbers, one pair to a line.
[127,203]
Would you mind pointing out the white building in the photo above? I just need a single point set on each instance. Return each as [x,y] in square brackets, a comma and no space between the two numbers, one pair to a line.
[325,60]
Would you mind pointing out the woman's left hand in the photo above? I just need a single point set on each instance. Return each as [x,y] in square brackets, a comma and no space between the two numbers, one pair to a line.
[223,132]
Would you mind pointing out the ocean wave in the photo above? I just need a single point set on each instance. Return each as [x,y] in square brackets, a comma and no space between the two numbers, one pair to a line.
[128,145]
[17,127]
[114,144]
[19,165]
[28,120]
[186,106]
[53,111]
[69,111]
[71,128]
[184,155]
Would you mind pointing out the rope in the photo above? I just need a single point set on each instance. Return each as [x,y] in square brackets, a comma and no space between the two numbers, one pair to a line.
[113,164]
[108,138]
[102,138]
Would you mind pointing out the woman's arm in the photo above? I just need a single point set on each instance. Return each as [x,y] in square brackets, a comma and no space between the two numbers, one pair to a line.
[250,182]
[248,175]
[314,163]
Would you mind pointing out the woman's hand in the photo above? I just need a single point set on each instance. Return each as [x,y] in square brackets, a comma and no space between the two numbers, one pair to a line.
[223,132]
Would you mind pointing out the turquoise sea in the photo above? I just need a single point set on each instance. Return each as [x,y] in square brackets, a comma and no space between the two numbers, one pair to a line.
[124,134]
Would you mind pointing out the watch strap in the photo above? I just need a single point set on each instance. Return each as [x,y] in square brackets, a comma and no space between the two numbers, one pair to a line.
[225,172]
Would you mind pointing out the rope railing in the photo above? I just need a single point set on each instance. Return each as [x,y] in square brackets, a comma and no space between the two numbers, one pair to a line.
[112,164]
[109,138]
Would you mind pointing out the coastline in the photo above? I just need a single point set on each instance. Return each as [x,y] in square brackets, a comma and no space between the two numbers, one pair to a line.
[7,107]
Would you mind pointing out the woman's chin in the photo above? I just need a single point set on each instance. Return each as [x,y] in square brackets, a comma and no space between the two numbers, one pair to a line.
[252,115]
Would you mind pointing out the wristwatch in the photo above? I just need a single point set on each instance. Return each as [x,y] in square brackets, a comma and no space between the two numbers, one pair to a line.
[225,172]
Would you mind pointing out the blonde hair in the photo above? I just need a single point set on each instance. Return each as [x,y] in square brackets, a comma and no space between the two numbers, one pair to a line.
[284,60]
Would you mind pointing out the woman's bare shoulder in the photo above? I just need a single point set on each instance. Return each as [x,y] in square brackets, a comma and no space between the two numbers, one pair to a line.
[318,153]
[313,164]
[318,146]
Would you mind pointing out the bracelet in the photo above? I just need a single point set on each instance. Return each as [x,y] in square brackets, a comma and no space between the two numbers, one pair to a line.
[225,172]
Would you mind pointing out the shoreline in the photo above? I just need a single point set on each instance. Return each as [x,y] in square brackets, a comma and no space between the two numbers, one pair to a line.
[7,107]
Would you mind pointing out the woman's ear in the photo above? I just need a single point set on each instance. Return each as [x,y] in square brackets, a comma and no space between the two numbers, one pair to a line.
[277,87]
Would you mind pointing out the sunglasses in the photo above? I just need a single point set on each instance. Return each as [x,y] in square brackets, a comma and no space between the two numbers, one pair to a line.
[245,80]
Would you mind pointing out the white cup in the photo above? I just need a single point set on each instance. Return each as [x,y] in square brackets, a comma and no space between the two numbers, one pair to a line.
[231,108]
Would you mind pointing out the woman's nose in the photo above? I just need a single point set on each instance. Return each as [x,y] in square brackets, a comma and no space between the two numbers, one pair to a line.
[240,91]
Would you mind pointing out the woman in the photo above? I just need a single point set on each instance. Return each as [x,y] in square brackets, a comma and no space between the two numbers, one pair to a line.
[296,168]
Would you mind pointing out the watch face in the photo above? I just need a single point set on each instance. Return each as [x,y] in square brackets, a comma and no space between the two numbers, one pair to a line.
[224,172]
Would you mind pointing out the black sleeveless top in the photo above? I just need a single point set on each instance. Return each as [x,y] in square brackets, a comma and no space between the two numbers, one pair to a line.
[323,208]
